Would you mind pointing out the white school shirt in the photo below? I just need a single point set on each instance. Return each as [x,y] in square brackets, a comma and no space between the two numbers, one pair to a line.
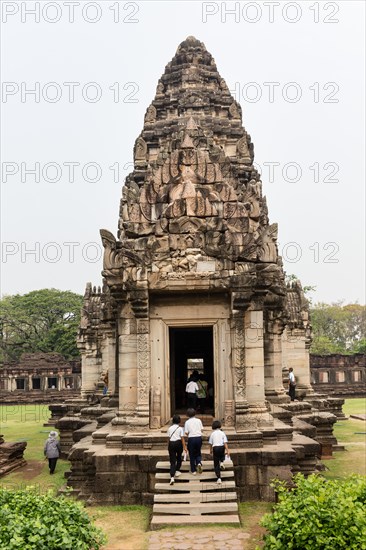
[217,438]
[192,387]
[291,377]
[175,433]
[193,427]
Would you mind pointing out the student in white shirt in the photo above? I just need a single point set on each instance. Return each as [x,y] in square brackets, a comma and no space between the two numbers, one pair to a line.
[191,390]
[219,448]
[175,447]
[193,428]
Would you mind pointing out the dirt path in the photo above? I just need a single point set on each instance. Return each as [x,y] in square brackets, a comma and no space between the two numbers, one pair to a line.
[32,469]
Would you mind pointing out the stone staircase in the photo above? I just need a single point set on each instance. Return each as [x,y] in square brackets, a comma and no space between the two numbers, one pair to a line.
[195,499]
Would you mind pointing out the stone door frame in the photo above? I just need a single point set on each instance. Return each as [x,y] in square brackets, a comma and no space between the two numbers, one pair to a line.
[160,359]
[192,325]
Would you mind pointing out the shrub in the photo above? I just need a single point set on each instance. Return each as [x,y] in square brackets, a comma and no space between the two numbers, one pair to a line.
[318,514]
[30,521]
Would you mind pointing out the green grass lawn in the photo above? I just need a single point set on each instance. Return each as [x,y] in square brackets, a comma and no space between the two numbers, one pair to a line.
[126,526]
[354,406]
[25,423]
[352,434]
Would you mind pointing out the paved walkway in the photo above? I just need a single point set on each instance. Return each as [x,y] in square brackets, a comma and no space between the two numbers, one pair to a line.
[181,539]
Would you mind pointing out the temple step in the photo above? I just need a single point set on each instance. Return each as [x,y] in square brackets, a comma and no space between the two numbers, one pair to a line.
[187,476]
[161,521]
[207,465]
[195,487]
[194,499]
[198,509]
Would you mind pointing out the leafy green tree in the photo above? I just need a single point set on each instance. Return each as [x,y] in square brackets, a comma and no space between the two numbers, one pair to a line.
[360,347]
[42,320]
[338,328]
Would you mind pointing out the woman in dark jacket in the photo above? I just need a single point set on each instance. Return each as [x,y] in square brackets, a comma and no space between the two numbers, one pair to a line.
[52,450]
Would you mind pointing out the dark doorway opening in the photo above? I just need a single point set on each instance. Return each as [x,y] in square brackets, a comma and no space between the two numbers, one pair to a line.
[190,349]
[52,383]
[20,382]
[36,383]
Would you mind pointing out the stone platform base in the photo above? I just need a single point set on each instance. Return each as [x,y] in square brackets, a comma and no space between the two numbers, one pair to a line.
[115,467]
[36,397]
[11,456]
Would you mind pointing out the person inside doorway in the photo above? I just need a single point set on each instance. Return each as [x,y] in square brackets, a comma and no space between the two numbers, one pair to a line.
[202,393]
[191,390]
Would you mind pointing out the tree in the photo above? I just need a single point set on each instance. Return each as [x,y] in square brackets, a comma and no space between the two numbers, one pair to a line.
[43,320]
[338,328]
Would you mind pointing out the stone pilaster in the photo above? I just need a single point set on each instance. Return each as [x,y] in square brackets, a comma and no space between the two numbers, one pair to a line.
[108,346]
[254,368]
[274,390]
[238,367]
[91,369]
[143,370]
[127,361]
[134,364]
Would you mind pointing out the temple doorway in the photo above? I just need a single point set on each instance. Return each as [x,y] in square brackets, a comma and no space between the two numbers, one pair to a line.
[190,349]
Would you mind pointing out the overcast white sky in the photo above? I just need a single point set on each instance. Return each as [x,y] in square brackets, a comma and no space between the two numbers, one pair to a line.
[297,68]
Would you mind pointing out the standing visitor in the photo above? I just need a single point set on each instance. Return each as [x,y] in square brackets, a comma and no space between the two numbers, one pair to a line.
[202,393]
[52,450]
[219,448]
[291,384]
[193,428]
[105,382]
[192,389]
[175,447]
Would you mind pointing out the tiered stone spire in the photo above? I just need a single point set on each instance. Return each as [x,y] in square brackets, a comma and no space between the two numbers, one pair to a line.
[194,195]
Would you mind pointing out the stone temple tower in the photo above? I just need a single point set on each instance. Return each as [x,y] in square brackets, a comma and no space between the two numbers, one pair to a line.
[193,279]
